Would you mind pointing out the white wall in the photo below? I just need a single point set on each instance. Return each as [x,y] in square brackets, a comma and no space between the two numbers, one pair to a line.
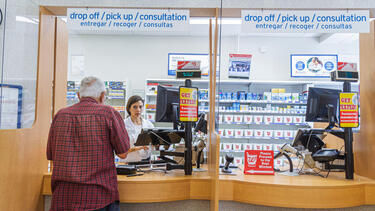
[137,58]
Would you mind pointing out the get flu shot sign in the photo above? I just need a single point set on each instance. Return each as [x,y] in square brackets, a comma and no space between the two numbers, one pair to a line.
[349,110]
[188,104]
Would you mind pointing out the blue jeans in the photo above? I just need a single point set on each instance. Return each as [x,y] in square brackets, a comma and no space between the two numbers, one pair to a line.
[111,207]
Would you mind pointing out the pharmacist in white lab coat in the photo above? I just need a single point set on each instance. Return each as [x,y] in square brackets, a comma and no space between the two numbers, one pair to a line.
[134,124]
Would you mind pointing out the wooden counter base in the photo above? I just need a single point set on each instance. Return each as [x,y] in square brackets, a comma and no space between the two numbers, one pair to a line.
[304,191]
[157,187]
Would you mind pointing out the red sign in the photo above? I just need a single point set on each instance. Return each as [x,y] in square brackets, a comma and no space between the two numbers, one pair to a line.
[258,162]
[188,65]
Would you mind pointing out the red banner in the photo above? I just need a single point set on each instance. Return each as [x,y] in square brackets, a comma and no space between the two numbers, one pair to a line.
[258,162]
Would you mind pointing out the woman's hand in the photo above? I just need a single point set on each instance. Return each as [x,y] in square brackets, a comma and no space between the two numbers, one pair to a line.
[133,149]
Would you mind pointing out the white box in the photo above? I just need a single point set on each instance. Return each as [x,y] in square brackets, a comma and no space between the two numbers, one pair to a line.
[288,119]
[238,118]
[238,133]
[229,132]
[268,133]
[228,118]
[278,134]
[288,133]
[244,107]
[295,97]
[249,133]
[248,118]
[247,146]
[268,147]
[297,119]
[258,119]
[150,116]
[238,160]
[275,96]
[257,146]
[237,146]
[285,97]
[267,96]
[258,133]
[278,163]
[268,119]
[221,132]
[227,146]
[278,119]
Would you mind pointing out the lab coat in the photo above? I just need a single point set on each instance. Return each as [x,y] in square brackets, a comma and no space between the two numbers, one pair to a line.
[133,132]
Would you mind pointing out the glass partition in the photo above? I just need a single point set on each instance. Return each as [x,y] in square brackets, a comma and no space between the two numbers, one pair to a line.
[18,62]
[265,75]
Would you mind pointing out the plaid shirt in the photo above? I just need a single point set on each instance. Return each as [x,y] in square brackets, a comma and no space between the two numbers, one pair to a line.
[81,141]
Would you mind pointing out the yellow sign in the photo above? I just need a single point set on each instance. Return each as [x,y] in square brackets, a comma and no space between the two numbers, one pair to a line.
[188,104]
[349,110]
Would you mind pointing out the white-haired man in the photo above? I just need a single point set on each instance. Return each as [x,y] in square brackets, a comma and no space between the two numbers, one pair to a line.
[81,142]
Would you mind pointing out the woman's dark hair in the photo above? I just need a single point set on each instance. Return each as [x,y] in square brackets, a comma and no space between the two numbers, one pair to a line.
[133,99]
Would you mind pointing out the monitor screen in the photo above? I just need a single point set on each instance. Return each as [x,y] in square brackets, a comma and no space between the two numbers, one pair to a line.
[317,102]
[167,102]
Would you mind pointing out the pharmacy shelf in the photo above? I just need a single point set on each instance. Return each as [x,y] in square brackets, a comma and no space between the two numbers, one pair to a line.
[263,102]
[253,137]
[258,112]
[244,123]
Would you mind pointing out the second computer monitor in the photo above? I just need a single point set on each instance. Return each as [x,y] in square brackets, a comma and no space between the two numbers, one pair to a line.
[318,103]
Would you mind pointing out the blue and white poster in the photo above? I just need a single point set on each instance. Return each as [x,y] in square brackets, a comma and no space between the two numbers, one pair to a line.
[313,65]
[239,65]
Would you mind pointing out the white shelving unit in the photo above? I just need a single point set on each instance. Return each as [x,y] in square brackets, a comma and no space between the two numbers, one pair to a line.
[116,94]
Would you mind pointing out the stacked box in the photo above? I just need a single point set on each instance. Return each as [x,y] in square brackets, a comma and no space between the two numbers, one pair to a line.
[229,132]
[279,134]
[268,119]
[288,119]
[248,119]
[237,146]
[258,133]
[249,133]
[238,133]
[228,118]
[238,118]
[247,146]
[227,146]
[268,133]
[297,119]
[257,146]
[258,119]
[268,147]
[278,119]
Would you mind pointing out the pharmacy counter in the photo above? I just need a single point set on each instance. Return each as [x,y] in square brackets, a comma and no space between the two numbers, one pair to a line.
[306,191]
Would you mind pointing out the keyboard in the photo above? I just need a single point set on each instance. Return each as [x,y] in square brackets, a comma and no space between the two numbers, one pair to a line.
[146,162]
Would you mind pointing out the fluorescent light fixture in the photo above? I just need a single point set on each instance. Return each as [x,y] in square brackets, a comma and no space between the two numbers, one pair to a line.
[25,20]
[223,21]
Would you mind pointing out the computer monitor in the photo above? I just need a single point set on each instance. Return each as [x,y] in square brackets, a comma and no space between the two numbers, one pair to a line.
[322,105]
[167,104]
